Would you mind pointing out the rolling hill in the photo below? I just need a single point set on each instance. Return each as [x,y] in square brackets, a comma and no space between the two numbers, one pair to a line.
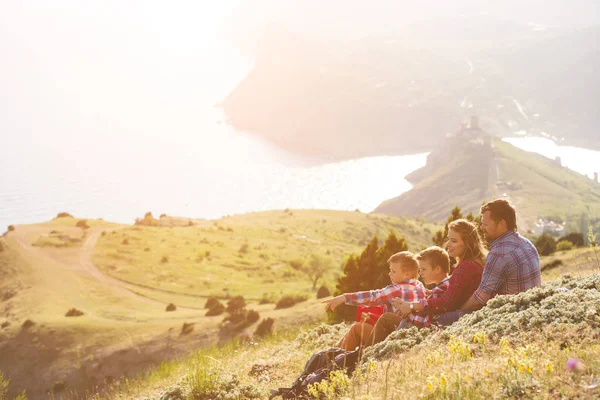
[116,277]
[467,171]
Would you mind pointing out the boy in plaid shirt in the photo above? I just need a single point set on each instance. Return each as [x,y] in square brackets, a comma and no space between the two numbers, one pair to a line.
[434,265]
[404,270]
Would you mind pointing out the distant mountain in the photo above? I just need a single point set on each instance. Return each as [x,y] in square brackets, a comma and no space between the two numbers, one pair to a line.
[467,171]
[402,93]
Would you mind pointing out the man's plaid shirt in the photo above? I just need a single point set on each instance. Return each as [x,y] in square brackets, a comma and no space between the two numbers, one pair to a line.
[512,266]
[410,290]
[423,319]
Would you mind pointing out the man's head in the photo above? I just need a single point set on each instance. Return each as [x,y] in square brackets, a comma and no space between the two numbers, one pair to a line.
[434,264]
[403,266]
[497,218]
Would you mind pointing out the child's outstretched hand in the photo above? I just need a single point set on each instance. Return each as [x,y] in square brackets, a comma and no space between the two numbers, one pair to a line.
[332,304]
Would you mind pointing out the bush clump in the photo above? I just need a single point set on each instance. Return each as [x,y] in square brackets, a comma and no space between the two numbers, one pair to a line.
[552,264]
[564,245]
[63,215]
[216,309]
[290,300]
[82,223]
[322,337]
[171,307]
[243,249]
[27,324]
[252,316]
[11,228]
[563,301]
[574,237]
[73,312]
[218,385]
[187,328]
[58,387]
[211,302]
[265,327]
[545,245]
[323,292]
[396,343]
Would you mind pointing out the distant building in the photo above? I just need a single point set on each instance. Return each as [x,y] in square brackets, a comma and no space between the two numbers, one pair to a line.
[558,161]
[470,130]
[546,226]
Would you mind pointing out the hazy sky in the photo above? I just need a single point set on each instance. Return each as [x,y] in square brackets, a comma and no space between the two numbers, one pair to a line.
[74,69]
[134,69]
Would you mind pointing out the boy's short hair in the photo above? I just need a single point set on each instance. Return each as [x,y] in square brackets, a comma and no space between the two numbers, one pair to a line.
[436,256]
[407,261]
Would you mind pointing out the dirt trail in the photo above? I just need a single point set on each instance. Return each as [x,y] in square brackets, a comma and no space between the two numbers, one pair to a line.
[51,266]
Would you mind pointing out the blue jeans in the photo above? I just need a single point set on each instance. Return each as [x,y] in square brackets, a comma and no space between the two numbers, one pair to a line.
[449,318]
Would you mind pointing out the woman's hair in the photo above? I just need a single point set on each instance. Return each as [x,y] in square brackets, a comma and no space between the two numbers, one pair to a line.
[474,247]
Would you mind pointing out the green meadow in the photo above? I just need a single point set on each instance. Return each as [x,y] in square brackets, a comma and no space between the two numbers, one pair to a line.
[256,255]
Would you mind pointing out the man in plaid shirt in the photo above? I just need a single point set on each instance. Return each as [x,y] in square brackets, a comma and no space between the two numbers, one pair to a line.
[404,271]
[513,264]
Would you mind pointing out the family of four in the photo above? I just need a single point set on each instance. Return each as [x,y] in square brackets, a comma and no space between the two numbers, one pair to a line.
[511,266]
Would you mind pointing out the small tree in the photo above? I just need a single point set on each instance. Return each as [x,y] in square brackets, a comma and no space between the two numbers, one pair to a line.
[316,268]
[545,244]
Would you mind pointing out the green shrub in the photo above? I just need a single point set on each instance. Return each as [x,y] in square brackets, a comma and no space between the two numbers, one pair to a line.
[125,241]
[164,260]
[218,309]
[552,264]
[323,292]
[545,245]
[11,228]
[252,316]
[215,307]
[187,328]
[296,264]
[211,302]
[265,327]
[58,387]
[82,223]
[236,305]
[564,245]
[27,324]
[73,312]
[64,215]
[268,298]
[171,307]
[290,300]
[243,249]
[574,237]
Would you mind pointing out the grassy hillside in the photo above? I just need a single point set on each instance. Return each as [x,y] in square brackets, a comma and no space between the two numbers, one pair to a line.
[122,290]
[253,255]
[539,344]
[469,172]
